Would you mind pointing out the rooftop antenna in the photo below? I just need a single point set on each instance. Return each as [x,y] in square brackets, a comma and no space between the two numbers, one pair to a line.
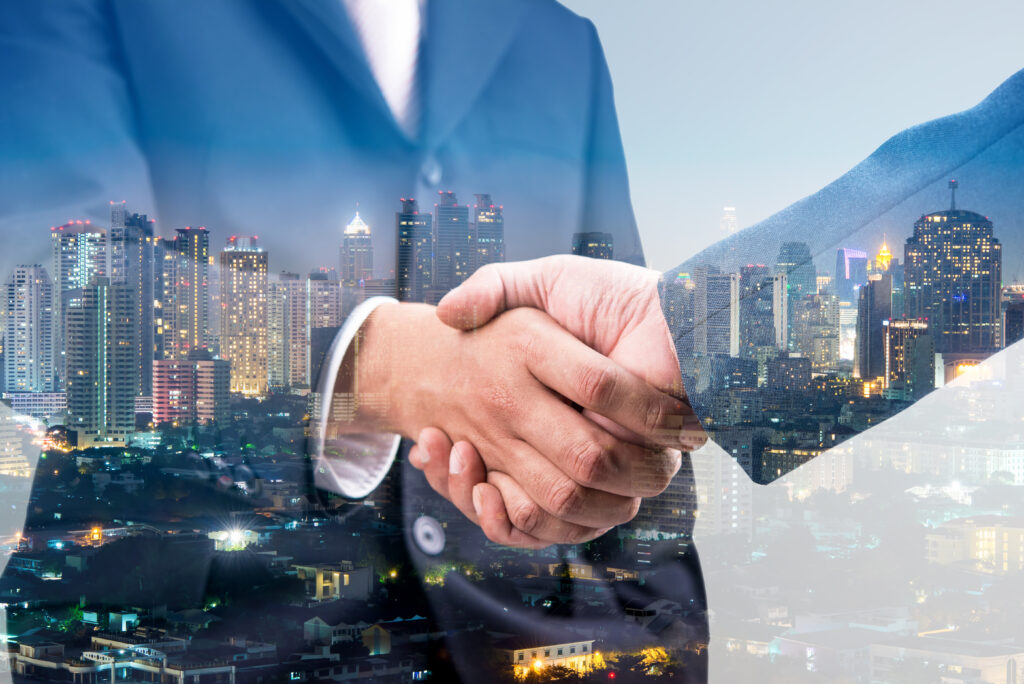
[952,188]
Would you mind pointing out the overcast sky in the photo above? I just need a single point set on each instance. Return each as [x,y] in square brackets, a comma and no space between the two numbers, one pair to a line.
[759,104]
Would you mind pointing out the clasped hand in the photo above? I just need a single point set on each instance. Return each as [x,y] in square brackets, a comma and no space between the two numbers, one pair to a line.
[544,396]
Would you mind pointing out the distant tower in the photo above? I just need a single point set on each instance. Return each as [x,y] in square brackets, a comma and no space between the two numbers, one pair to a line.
[28,331]
[356,252]
[594,245]
[953,185]
[851,273]
[453,242]
[131,247]
[78,254]
[243,267]
[884,257]
[488,230]
[415,247]
[185,304]
[729,223]
[953,279]
[873,307]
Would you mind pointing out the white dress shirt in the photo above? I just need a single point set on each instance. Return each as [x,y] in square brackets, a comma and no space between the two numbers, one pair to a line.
[389,31]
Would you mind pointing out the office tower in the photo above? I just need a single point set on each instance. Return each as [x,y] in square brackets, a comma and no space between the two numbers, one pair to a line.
[728,223]
[851,273]
[28,331]
[883,259]
[78,254]
[594,245]
[356,252]
[716,307]
[874,306]
[795,262]
[101,364]
[763,309]
[488,230]
[186,297]
[909,359]
[192,390]
[324,299]
[453,242]
[130,247]
[679,312]
[287,334]
[952,278]
[815,330]
[415,247]
[243,270]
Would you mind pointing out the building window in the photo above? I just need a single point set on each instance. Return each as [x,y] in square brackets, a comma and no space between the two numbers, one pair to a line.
[522,656]
[572,650]
[547,652]
[559,651]
[584,649]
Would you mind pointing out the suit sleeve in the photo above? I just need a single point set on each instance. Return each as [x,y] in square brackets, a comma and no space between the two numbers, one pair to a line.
[607,206]
[771,426]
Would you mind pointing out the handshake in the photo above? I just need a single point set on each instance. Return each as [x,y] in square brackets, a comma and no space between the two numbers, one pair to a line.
[544,396]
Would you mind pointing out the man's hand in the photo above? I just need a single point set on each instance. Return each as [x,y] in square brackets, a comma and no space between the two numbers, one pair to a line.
[509,390]
[613,307]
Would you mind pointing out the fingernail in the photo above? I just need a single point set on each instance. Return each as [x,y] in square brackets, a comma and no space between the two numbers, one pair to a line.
[477,501]
[455,464]
[423,456]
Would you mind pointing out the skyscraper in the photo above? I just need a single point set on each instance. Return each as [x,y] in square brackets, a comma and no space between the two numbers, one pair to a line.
[909,359]
[287,334]
[28,331]
[414,264]
[453,242]
[952,278]
[356,252]
[243,267]
[795,262]
[489,231]
[815,330]
[851,273]
[728,224]
[324,303]
[78,254]
[101,364]
[186,298]
[873,307]
[1013,316]
[131,262]
[763,309]
[594,245]
[716,307]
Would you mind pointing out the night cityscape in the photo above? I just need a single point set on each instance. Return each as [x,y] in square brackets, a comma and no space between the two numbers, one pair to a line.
[173,533]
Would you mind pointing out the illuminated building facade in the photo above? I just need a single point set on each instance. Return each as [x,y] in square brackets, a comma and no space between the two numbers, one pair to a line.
[130,250]
[185,304]
[356,252]
[909,359]
[193,390]
[414,265]
[488,231]
[243,267]
[594,245]
[77,255]
[953,279]
[28,331]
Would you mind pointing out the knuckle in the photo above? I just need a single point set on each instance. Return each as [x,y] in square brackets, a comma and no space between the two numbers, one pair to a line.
[526,517]
[597,385]
[587,461]
[632,509]
[566,499]
[655,417]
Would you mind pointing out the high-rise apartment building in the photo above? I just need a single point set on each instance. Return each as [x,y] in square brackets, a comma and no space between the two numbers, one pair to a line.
[356,252]
[78,254]
[287,333]
[414,263]
[185,304]
[131,261]
[909,359]
[952,278]
[101,364]
[28,331]
[243,270]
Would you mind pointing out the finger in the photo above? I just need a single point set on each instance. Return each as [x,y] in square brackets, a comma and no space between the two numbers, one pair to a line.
[431,456]
[494,521]
[493,288]
[594,382]
[466,470]
[529,519]
[556,495]
[593,457]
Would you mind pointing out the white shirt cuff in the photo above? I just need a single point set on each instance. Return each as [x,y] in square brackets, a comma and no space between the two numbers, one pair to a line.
[349,465]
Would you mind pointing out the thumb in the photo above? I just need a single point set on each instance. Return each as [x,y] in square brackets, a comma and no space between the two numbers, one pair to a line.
[491,290]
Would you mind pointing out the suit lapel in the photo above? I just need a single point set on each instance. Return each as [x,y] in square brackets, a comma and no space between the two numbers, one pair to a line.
[464,43]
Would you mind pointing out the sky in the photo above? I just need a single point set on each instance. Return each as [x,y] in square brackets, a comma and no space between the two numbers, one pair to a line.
[756,105]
